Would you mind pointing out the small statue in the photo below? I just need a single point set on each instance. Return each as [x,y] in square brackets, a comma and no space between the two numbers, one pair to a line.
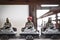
[29,25]
[49,23]
[7,24]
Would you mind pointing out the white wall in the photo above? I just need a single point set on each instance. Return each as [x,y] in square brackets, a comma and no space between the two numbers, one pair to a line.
[16,13]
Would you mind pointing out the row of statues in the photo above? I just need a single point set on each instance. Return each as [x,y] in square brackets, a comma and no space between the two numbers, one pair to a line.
[29,26]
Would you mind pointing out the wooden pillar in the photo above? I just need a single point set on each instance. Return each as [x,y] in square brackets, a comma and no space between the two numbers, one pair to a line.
[32,12]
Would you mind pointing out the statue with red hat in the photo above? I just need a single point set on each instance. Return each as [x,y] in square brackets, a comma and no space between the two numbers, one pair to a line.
[29,26]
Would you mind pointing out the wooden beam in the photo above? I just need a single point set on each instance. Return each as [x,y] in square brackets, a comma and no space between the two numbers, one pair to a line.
[29,1]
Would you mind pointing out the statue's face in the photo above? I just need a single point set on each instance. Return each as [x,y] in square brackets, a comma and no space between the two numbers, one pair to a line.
[49,20]
[7,20]
[29,20]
